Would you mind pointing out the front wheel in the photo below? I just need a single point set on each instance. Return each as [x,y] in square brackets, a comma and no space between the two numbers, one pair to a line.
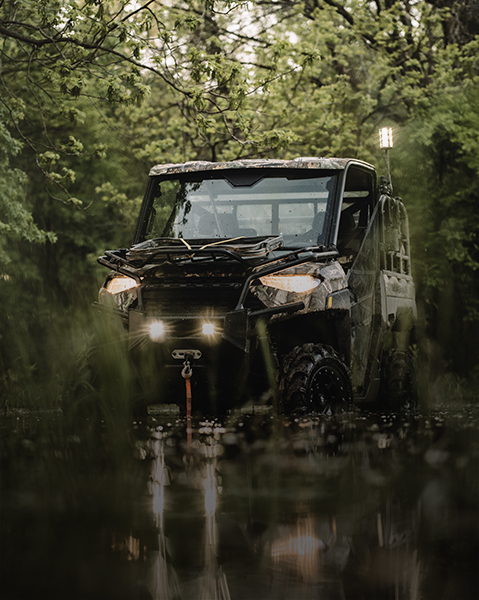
[314,379]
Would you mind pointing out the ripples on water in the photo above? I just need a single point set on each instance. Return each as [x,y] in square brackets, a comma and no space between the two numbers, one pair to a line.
[250,507]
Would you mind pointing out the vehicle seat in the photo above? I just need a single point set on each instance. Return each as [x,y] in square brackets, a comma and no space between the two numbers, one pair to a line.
[348,234]
[228,225]
[247,232]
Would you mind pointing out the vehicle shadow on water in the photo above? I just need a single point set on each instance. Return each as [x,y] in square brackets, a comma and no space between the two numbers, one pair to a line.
[250,506]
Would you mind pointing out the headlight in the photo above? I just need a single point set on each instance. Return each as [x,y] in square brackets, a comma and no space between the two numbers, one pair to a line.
[291,283]
[120,284]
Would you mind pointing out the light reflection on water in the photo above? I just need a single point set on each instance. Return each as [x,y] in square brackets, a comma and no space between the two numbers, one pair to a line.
[251,507]
[299,551]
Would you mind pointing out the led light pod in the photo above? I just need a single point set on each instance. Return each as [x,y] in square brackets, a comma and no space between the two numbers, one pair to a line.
[156,330]
[386,138]
[208,329]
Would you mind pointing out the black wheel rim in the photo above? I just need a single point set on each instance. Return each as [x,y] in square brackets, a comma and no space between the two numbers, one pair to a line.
[328,390]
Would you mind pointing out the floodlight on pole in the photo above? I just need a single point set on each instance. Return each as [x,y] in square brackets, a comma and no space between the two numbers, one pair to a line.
[386,138]
[386,143]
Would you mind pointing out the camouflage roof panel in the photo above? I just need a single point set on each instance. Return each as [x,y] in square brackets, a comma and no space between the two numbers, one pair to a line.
[297,163]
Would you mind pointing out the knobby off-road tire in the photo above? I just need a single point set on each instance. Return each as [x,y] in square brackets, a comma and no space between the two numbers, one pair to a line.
[399,385]
[314,379]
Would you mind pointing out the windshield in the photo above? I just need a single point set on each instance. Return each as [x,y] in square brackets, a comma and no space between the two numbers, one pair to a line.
[235,205]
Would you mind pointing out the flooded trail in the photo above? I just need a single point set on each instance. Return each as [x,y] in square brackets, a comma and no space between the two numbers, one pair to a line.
[250,507]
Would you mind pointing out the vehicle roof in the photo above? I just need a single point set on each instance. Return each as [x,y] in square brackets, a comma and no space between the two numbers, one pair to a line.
[297,163]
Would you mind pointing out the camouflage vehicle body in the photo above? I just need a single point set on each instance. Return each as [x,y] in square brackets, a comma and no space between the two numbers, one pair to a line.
[300,270]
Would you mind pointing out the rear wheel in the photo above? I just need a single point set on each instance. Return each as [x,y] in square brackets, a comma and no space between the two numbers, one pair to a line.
[314,379]
[399,387]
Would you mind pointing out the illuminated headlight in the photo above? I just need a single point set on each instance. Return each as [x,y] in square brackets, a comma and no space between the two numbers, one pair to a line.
[156,330]
[291,283]
[208,329]
[120,284]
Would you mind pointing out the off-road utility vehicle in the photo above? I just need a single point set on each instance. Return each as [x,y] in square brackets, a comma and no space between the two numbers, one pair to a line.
[289,275]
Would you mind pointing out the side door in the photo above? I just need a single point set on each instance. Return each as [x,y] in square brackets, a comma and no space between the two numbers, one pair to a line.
[397,286]
[383,295]
[359,253]
[363,279]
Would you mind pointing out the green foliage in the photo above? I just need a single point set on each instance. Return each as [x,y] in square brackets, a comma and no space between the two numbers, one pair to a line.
[16,222]
[440,160]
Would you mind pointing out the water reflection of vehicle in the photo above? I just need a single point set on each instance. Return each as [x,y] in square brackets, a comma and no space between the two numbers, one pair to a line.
[270,523]
[356,508]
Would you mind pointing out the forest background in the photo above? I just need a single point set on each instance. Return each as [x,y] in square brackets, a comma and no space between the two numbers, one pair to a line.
[95,92]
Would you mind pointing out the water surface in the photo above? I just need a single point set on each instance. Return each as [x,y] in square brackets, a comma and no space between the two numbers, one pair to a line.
[248,507]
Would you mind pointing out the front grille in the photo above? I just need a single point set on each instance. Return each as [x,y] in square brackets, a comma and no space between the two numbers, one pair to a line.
[190,300]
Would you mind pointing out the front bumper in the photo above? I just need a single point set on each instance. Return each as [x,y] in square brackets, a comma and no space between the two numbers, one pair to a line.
[218,366]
